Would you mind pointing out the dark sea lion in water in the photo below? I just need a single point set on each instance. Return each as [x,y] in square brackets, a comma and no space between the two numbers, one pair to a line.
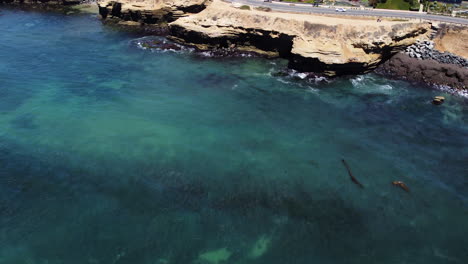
[401,185]
[353,179]
[314,163]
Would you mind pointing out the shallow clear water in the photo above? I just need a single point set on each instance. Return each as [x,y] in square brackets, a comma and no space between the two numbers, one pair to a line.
[114,154]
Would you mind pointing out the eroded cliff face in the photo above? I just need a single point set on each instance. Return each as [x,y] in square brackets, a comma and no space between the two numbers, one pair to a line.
[430,72]
[138,12]
[330,45]
[453,39]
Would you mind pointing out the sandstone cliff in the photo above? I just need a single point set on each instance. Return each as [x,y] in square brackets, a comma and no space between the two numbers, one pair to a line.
[333,46]
[149,11]
[442,61]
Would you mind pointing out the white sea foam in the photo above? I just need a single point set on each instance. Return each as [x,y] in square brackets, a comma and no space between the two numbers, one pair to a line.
[301,75]
[158,44]
[306,76]
[283,81]
[206,54]
[312,89]
[370,84]
[450,90]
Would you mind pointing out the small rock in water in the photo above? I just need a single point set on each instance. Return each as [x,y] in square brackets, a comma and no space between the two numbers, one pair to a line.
[438,100]
[281,73]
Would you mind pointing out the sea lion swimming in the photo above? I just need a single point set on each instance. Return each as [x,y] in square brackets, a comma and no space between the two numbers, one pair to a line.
[314,163]
[401,185]
[353,179]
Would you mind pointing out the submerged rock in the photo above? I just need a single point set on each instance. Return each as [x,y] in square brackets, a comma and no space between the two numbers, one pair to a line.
[215,256]
[156,43]
[227,52]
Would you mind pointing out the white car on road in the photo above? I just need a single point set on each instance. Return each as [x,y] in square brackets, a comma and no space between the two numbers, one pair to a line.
[340,10]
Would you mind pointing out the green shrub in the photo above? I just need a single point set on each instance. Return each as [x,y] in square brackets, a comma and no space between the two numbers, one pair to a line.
[394,4]
[245,7]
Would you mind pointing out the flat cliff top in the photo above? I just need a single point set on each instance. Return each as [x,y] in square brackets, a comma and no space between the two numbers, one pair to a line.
[223,12]
[336,40]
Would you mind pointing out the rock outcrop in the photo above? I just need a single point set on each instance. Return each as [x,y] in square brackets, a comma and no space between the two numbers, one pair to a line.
[426,71]
[453,39]
[441,62]
[331,45]
[141,12]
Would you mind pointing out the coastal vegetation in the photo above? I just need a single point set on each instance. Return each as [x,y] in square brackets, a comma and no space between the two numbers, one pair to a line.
[439,7]
[394,4]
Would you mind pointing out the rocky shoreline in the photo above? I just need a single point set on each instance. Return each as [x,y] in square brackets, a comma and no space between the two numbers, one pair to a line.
[428,71]
[422,62]
[425,50]
[327,46]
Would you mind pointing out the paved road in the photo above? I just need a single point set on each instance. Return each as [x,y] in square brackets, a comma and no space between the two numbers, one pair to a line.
[304,8]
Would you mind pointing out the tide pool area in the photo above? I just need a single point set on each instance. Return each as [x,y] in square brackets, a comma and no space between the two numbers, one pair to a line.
[113,153]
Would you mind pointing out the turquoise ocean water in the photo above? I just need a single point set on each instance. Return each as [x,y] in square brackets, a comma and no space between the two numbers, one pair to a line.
[113,154]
